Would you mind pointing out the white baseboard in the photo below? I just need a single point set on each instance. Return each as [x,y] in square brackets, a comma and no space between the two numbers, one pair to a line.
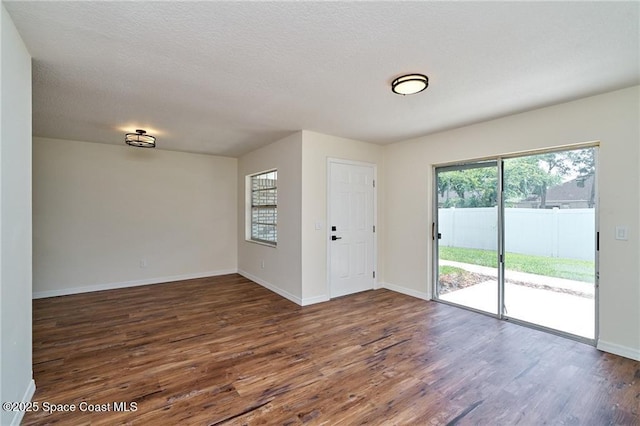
[273,288]
[314,300]
[136,283]
[408,291]
[616,349]
[28,394]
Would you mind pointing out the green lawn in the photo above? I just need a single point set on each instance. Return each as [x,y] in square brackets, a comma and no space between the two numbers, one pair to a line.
[446,270]
[579,270]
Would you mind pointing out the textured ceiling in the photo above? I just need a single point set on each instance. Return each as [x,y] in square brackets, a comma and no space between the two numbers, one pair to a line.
[227,77]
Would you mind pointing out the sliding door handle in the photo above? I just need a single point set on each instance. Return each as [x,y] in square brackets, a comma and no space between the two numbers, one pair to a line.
[433,232]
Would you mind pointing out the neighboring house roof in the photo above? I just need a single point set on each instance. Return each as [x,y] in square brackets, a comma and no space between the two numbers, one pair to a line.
[573,190]
[578,189]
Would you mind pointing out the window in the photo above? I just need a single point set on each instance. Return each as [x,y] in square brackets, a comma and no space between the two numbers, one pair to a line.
[264,207]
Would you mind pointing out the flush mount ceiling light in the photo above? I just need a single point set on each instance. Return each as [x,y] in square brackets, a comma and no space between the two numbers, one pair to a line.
[409,84]
[140,139]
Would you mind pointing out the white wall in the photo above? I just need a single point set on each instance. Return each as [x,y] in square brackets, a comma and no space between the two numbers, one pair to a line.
[16,377]
[100,210]
[282,264]
[297,267]
[611,118]
[316,149]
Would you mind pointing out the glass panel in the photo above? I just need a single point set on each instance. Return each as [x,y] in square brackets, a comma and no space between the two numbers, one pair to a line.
[264,207]
[265,180]
[550,240]
[467,225]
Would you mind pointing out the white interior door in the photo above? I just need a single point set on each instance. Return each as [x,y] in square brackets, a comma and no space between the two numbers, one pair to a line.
[351,226]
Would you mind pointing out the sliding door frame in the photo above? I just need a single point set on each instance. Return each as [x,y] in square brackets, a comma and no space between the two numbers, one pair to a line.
[435,233]
[499,162]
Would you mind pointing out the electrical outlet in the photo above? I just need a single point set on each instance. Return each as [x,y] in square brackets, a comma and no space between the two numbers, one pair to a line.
[143,263]
[262,264]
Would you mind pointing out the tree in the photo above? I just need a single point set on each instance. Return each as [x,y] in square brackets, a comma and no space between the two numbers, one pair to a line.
[584,162]
[476,187]
[524,177]
[532,176]
[556,166]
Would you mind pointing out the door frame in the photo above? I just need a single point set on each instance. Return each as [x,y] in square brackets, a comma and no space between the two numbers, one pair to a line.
[473,164]
[374,166]
[461,165]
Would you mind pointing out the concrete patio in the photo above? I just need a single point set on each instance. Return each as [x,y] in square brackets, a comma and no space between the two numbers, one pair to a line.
[554,309]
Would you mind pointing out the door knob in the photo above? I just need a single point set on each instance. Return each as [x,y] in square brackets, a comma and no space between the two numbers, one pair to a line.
[333,238]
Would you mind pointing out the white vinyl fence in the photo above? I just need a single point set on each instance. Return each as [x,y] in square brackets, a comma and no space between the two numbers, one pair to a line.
[564,233]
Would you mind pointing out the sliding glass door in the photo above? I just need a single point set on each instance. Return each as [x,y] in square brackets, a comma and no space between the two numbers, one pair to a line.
[467,240]
[550,240]
[516,238]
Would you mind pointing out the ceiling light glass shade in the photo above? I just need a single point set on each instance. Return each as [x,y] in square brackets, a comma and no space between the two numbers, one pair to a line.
[140,139]
[410,84]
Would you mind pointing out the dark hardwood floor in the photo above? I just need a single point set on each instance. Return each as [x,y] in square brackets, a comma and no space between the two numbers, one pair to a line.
[225,351]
